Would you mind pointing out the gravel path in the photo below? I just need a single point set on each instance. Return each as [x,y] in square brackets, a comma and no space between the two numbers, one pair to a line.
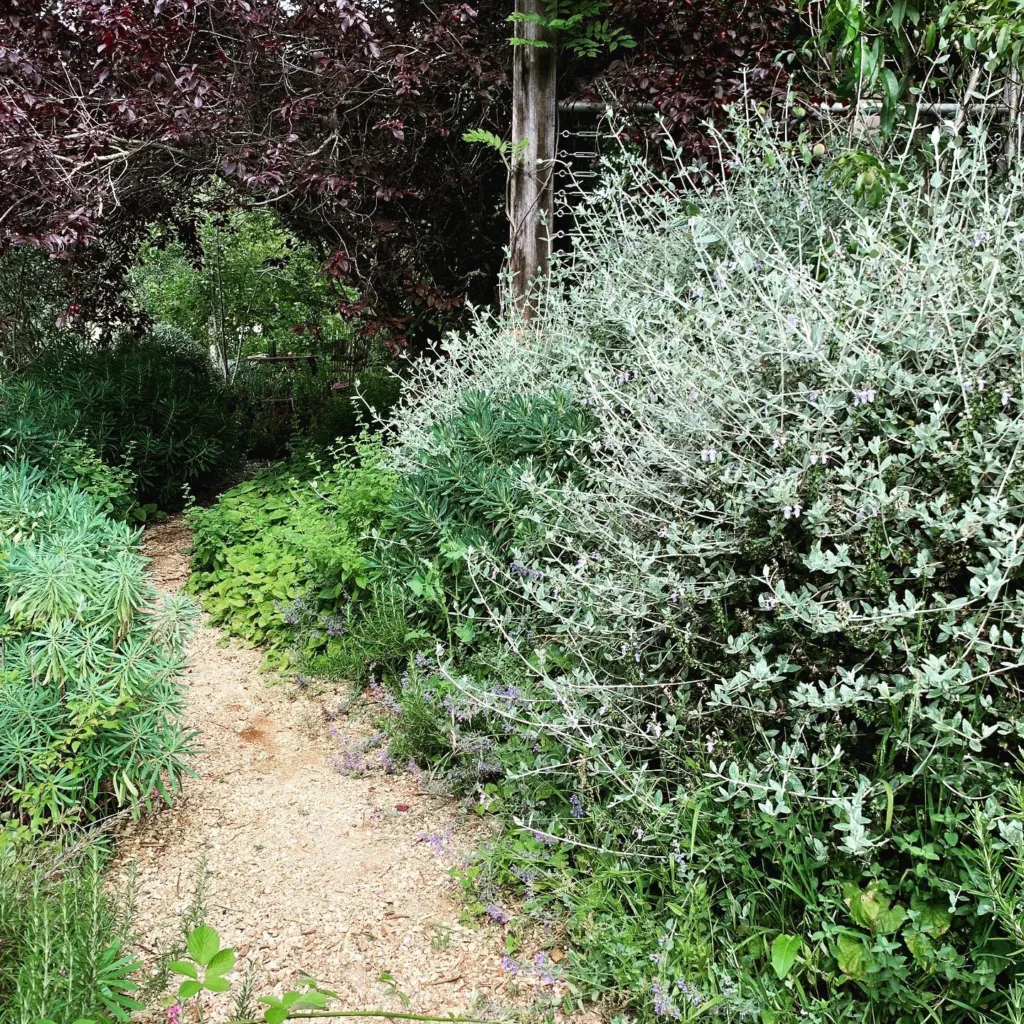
[310,872]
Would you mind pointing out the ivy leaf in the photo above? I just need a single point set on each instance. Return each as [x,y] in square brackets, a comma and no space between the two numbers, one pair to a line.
[785,949]
[203,943]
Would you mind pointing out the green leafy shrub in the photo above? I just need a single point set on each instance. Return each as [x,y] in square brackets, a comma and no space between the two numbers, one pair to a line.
[62,941]
[749,666]
[90,659]
[277,552]
[290,409]
[154,406]
[23,438]
[255,288]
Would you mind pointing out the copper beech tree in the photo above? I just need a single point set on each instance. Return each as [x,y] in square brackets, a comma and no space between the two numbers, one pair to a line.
[346,116]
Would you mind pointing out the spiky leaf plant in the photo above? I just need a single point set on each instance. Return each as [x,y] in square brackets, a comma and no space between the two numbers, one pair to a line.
[90,659]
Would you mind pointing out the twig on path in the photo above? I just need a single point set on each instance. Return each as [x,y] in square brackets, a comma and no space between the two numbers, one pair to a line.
[442,981]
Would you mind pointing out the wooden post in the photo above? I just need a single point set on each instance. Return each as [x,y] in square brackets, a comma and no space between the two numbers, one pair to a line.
[534,115]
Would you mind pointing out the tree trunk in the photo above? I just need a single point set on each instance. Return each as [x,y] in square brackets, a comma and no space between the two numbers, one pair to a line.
[534,114]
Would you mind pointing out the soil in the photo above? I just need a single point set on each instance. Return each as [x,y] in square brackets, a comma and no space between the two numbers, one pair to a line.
[308,871]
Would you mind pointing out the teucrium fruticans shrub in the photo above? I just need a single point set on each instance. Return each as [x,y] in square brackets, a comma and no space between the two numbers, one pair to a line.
[781,601]
[90,658]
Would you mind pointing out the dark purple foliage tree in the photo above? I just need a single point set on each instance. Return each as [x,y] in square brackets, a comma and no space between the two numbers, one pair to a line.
[346,115]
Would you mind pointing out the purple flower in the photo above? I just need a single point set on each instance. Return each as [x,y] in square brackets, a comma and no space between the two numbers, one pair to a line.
[541,965]
[663,1005]
[439,841]
[792,511]
[335,626]
[576,807]
[864,397]
[498,913]
[525,572]
[510,965]
[709,455]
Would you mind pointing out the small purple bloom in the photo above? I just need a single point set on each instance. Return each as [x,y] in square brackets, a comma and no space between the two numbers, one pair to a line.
[498,913]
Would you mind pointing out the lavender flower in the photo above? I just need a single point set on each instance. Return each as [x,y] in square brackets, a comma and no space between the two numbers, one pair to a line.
[576,807]
[709,455]
[865,397]
[333,625]
[663,1005]
[510,965]
[498,913]
[525,572]
[439,841]
[541,965]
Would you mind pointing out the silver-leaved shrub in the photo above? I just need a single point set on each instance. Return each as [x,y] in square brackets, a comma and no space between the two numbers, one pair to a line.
[772,625]
[90,659]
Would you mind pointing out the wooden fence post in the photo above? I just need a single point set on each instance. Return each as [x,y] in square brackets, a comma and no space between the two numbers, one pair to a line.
[534,117]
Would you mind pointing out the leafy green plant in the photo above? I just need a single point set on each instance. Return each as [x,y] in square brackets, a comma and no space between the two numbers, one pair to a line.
[90,700]
[732,642]
[278,552]
[256,287]
[154,407]
[904,54]
[208,963]
[24,437]
[62,941]
[577,25]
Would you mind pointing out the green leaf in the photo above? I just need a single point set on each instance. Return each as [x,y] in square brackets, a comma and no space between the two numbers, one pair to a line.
[785,949]
[853,957]
[203,943]
[222,962]
[891,87]
[275,1015]
[921,947]
[889,921]
[931,918]
[216,984]
[187,989]
[183,967]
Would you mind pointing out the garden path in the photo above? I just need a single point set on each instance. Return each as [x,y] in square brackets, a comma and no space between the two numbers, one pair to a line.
[308,871]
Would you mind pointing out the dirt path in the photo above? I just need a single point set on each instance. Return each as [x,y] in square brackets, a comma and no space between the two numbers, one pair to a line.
[310,871]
